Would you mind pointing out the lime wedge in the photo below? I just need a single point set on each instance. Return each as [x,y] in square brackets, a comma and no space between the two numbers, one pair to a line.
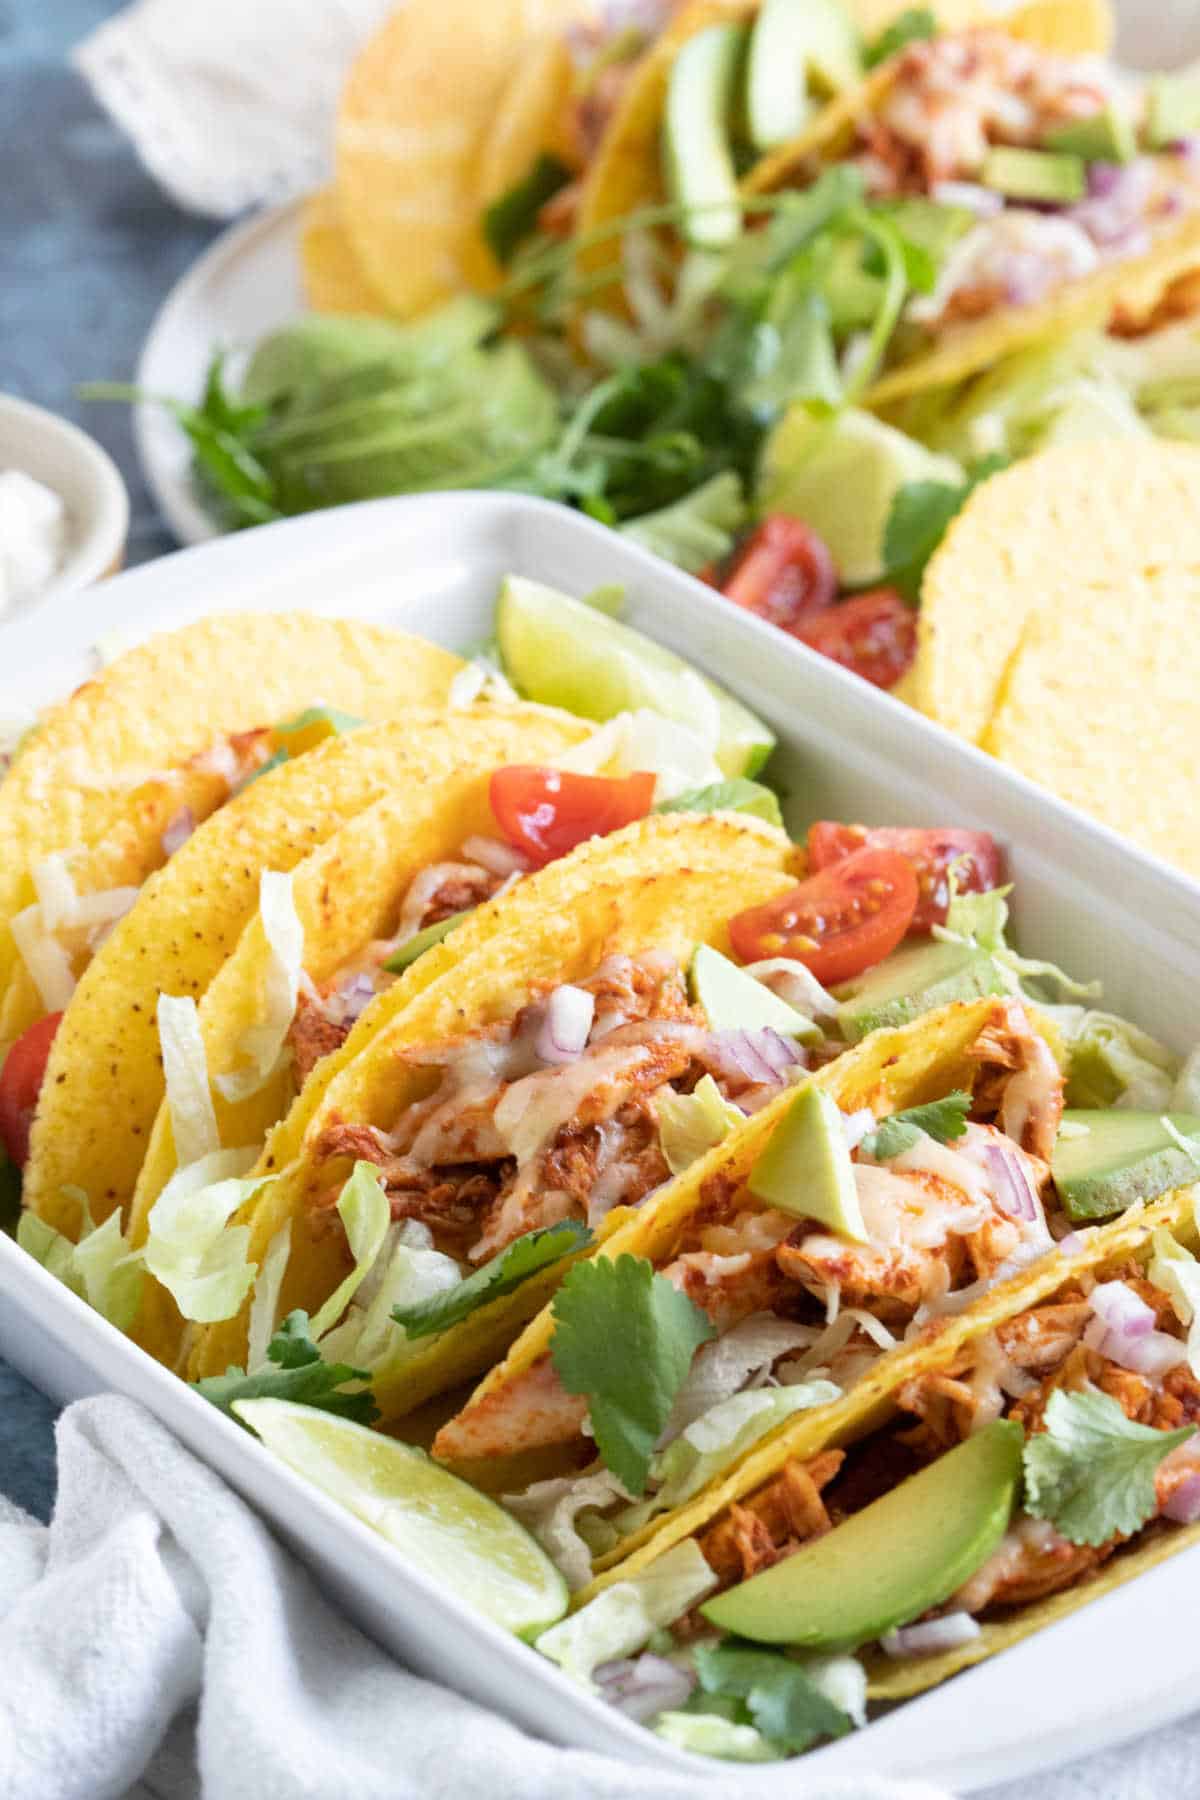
[840,476]
[442,1525]
[562,653]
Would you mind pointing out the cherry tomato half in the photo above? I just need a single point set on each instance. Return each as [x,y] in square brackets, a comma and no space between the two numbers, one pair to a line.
[874,635]
[837,923]
[21,1083]
[783,572]
[546,812]
[978,864]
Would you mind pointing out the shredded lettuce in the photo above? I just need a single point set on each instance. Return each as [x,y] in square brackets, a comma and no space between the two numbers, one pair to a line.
[366,1214]
[697,530]
[690,1124]
[710,1734]
[481,680]
[185,1072]
[1113,1063]
[264,1307]
[410,1272]
[191,1249]
[722,1435]
[550,1510]
[100,1268]
[262,1045]
[724,1366]
[842,1680]
[621,1619]
[1174,1269]
[683,757]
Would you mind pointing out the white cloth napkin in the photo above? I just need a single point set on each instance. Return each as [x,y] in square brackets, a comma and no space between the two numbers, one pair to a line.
[231,102]
[155,1585]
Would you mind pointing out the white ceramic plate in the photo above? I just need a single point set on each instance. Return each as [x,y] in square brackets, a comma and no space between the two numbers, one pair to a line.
[1120,1666]
[244,285]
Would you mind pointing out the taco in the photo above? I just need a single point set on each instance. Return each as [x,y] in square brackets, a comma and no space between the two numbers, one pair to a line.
[110,781]
[815,1267]
[366,795]
[1030,1455]
[1052,192]
[398,1129]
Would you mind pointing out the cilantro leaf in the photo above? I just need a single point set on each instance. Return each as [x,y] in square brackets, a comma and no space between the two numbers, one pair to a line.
[300,1374]
[942,1120]
[920,515]
[913,24]
[1091,1472]
[508,221]
[624,1339]
[737,795]
[524,1257]
[782,1701]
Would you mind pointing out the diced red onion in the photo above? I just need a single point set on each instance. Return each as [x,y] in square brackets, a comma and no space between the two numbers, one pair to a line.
[760,1055]
[983,202]
[1153,1356]
[1121,1311]
[1072,1244]
[1188,149]
[931,1635]
[178,831]
[564,1032]
[1184,1504]
[1116,206]
[497,858]
[644,1686]
[1015,1193]
[349,1001]
[1103,179]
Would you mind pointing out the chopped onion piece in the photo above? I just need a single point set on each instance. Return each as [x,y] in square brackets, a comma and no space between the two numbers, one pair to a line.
[1184,1504]
[1121,1311]
[761,1056]
[179,830]
[983,202]
[497,858]
[644,1686]
[930,1636]
[564,1033]
[1015,1194]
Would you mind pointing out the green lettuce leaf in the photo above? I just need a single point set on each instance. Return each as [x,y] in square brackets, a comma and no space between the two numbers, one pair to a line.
[738,795]
[690,1124]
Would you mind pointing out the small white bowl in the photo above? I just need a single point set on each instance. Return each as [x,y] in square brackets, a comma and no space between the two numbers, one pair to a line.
[73,464]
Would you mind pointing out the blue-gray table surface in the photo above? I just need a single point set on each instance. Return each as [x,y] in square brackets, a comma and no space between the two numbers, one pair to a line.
[89,247]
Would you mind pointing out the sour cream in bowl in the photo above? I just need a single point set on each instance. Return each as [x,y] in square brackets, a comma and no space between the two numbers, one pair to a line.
[64,512]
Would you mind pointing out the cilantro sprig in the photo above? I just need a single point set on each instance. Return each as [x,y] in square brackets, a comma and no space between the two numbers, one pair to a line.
[777,1696]
[524,1257]
[920,516]
[624,1339]
[942,1120]
[1091,1472]
[300,1373]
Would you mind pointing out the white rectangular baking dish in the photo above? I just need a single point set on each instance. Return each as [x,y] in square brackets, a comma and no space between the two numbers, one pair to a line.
[1083,898]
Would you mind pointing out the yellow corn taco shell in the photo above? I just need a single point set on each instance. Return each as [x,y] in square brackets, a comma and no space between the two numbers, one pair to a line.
[889,1071]
[103,773]
[663,888]
[873,1402]
[104,1079]
[1058,631]
[331,274]
[414,113]
[530,119]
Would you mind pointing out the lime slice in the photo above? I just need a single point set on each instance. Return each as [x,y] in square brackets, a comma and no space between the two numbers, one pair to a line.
[442,1525]
[562,653]
[840,476]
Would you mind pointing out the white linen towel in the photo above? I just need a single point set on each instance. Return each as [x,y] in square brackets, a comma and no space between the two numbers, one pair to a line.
[155,1585]
[230,103]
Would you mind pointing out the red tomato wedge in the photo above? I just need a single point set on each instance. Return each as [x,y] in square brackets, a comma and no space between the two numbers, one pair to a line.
[546,812]
[837,923]
[874,635]
[978,863]
[21,1083]
[783,572]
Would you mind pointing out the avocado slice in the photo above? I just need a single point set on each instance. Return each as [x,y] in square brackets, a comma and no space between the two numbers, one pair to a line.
[1107,136]
[797,46]
[1053,175]
[1172,109]
[697,135]
[891,1562]
[913,981]
[734,1001]
[1120,1157]
[806,1167]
